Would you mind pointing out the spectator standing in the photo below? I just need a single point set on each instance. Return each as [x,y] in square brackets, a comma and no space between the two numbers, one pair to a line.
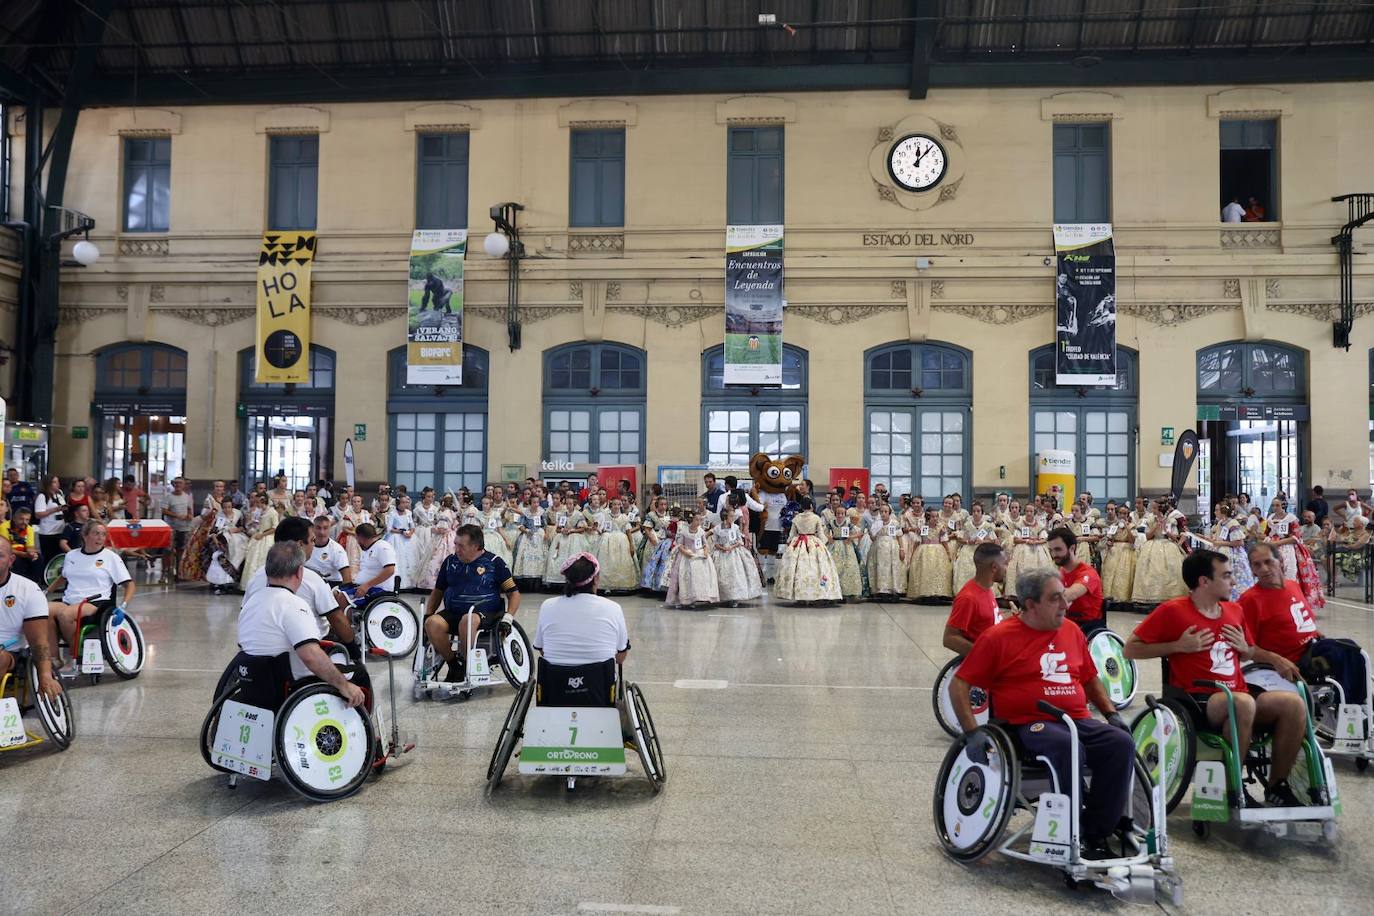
[179,512]
[1317,505]
[20,534]
[21,494]
[50,510]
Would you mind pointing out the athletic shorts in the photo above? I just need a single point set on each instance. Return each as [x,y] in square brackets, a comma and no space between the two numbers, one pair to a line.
[452,616]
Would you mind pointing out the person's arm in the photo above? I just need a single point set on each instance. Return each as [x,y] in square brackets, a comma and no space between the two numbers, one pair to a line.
[955,641]
[128,592]
[340,625]
[436,597]
[53,507]
[314,658]
[346,571]
[512,601]
[386,575]
[1074,592]
[1191,640]
[1280,664]
[959,698]
[36,630]
[1097,695]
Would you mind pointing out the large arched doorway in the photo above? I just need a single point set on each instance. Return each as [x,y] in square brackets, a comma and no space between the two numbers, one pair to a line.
[288,429]
[140,413]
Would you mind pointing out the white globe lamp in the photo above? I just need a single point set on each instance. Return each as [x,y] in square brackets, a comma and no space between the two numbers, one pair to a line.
[85,253]
[496,245]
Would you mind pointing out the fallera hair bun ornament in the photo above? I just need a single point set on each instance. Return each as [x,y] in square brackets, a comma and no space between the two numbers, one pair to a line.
[568,563]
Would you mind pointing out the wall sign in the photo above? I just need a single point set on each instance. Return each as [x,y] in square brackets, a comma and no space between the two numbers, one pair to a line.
[904,239]
[81,432]
[360,432]
[1166,435]
[1253,412]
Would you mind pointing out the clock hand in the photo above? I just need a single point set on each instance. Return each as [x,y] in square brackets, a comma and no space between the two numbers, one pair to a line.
[921,155]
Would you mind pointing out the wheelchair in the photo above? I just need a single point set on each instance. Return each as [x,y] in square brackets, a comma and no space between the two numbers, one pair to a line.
[975,803]
[386,622]
[261,720]
[1179,754]
[503,646]
[1344,729]
[577,726]
[106,634]
[52,570]
[944,709]
[19,696]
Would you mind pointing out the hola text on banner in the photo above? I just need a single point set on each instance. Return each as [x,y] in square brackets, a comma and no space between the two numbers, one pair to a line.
[1085,305]
[283,319]
[753,305]
[434,322]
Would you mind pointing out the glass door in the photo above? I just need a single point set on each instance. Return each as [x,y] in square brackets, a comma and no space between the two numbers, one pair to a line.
[1266,459]
[152,448]
[295,446]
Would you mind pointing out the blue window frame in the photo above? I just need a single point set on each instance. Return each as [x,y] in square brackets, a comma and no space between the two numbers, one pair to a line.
[738,421]
[1082,173]
[1097,424]
[594,397]
[293,182]
[754,176]
[597,178]
[438,433]
[441,181]
[917,409]
[147,184]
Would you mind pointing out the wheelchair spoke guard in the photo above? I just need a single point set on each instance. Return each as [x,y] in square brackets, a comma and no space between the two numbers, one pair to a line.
[56,715]
[646,738]
[1116,672]
[974,801]
[389,624]
[123,644]
[1177,752]
[514,646]
[324,749]
[511,731]
[944,709]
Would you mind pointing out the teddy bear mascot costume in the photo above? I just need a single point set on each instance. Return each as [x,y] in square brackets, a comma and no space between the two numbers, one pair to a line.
[774,485]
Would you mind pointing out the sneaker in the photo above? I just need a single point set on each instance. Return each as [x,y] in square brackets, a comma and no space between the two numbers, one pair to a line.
[1097,850]
[1280,795]
[69,670]
[1251,801]
[457,673]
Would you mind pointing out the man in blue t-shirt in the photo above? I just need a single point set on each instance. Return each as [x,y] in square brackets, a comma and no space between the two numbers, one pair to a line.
[21,494]
[476,588]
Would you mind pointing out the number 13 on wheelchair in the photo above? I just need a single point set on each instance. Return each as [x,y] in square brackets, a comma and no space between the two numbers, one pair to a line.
[976,801]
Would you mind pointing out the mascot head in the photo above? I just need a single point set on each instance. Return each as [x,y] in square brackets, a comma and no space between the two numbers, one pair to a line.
[772,476]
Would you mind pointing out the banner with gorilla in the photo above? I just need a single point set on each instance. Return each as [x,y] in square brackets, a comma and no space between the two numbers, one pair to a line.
[1085,305]
[434,322]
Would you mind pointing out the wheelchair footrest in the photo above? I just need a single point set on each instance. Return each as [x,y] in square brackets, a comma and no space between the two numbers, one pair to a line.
[1315,813]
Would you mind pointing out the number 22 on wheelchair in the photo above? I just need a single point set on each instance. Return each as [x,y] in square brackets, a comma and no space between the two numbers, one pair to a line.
[20,697]
[976,801]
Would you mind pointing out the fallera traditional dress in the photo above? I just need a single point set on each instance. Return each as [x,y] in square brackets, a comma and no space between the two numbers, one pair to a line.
[441,545]
[930,573]
[736,572]
[886,569]
[400,534]
[844,552]
[1118,562]
[256,554]
[969,538]
[660,536]
[529,547]
[1026,557]
[692,575]
[615,553]
[806,572]
[1159,566]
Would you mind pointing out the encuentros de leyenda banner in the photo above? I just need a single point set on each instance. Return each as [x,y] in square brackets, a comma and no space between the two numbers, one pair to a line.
[753,305]
[434,326]
[1085,305]
[283,338]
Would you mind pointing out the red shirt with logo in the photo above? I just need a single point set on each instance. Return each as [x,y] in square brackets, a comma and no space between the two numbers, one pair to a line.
[1280,619]
[974,611]
[1088,606]
[1219,662]
[1020,666]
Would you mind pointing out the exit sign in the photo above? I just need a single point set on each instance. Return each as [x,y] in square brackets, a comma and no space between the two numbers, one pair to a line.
[360,432]
[81,432]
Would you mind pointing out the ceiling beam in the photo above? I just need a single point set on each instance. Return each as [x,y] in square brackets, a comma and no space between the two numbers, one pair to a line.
[926,14]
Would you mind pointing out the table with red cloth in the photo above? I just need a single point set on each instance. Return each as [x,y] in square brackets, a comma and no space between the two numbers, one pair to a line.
[148,534]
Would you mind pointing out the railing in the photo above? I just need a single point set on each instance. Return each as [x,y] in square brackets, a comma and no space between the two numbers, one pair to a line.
[1361,560]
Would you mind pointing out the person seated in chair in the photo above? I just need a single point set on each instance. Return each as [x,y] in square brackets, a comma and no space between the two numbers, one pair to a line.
[1278,615]
[90,574]
[1039,655]
[328,606]
[24,624]
[1082,584]
[975,607]
[277,623]
[327,557]
[1205,636]
[376,566]
[472,577]
[581,629]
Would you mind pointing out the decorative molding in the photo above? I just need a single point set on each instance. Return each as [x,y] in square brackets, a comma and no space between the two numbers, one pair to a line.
[361,316]
[443,117]
[210,317]
[899,289]
[612,292]
[1167,314]
[756,109]
[995,314]
[1230,288]
[143,248]
[948,132]
[596,243]
[292,119]
[575,290]
[841,314]
[144,122]
[1321,311]
[1250,102]
[526,314]
[1271,287]
[885,135]
[598,112]
[885,192]
[1250,238]
[78,314]
[937,289]
[122,292]
[671,316]
[949,189]
[1082,106]
[157,293]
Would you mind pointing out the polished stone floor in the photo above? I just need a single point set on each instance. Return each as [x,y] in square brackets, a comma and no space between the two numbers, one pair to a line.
[803,786]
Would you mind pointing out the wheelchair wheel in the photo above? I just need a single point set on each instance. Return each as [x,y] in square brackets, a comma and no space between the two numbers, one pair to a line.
[122,644]
[974,801]
[53,570]
[56,715]
[646,738]
[210,725]
[944,709]
[323,748]
[516,655]
[390,624]
[1179,753]
[1116,672]
[511,731]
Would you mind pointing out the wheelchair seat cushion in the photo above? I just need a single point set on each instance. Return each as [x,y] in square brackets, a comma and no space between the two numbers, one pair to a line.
[263,680]
[576,685]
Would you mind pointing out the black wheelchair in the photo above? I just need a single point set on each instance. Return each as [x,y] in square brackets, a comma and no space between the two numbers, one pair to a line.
[583,719]
[20,697]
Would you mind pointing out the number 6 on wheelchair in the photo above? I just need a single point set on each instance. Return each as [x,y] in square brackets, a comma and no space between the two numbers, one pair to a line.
[558,738]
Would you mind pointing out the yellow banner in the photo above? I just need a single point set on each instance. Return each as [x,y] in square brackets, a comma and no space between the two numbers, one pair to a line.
[283,342]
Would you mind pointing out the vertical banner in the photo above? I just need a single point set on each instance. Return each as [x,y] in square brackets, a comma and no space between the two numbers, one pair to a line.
[434,326]
[1085,305]
[753,305]
[1185,453]
[283,343]
[350,471]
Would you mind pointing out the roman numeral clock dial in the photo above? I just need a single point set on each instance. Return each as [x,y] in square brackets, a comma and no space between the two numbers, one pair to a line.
[917,162]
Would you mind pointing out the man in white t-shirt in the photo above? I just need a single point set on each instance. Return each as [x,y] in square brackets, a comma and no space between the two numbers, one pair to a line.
[327,557]
[580,627]
[376,566]
[329,607]
[1233,212]
[24,624]
[276,621]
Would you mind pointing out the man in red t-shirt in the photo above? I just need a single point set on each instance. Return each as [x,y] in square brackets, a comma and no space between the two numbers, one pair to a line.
[1082,584]
[1281,621]
[1205,638]
[975,607]
[1041,656]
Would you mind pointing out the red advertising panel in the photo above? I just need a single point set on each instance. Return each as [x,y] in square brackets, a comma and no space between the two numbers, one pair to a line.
[611,475]
[849,477]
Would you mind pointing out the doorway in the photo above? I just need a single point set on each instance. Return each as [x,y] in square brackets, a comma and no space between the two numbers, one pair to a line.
[296,446]
[1260,457]
[150,447]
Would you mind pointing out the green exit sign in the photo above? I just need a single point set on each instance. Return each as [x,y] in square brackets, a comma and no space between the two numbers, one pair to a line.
[81,432]
[360,432]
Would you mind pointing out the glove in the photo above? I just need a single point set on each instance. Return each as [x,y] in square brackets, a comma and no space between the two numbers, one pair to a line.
[118,617]
[976,747]
[1115,719]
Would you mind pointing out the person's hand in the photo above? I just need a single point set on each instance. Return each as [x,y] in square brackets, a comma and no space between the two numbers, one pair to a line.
[1236,637]
[48,684]
[1286,668]
[976,746]
[353,695]
[1116,721]
[1194,639]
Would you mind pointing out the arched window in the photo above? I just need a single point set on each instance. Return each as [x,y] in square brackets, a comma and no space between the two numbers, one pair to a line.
[140,413]
[1251,370]
[917,403]
[1096,423]
[737,421]
[288,428]
[438,433]
[594,403]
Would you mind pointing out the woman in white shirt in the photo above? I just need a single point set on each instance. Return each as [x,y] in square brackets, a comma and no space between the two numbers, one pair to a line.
[89,574]
[49,513]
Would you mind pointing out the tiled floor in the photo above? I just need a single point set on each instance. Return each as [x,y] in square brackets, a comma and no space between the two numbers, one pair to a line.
[802,787]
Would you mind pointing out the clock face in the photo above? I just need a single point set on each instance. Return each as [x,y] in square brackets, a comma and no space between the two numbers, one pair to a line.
[917,162]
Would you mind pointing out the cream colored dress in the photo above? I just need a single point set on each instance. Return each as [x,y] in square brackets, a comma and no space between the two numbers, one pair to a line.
[844,552]
[930,573]
[1026,557]
[615,552]
[970,537]
[1159,567]
[1118,562]
[886,571]
[737,575]
[256,555]
[692,576]
[806,572]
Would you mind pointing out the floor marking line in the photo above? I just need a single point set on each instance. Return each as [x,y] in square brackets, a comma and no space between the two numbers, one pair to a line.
[627,908]
[1357,607]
